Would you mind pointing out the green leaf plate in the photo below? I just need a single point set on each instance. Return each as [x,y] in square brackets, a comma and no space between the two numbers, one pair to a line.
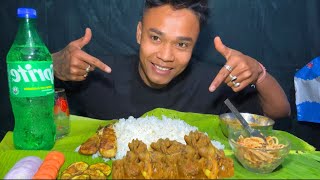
[302,162]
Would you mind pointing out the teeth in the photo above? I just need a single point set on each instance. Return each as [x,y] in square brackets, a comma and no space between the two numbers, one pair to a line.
[162,68]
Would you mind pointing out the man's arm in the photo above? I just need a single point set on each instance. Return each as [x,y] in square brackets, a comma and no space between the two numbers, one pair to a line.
[273,100]
[241,70]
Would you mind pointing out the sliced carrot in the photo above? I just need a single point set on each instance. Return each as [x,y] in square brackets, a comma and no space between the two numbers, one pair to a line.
[56,155]
[43,176]
[46,173]
[49,169]
[52,162]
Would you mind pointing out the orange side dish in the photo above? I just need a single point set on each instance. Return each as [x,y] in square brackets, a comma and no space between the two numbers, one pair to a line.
[50,166]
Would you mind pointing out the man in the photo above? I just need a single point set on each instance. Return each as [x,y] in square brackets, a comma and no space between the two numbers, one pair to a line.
[164,74]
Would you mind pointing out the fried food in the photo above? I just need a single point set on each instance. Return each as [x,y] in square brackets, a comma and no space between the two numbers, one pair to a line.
[91,146]
[104,141]
[167,159]
[81,170]
[82,176]
[108,142]
[74,169]
[103,167]
[95,174]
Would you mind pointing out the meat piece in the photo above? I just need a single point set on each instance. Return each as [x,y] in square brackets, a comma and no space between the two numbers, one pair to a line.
[164,165]
[197,139]
[143,158]
[213,162]
[167,146]
[135,164]
[108,142]
[190,168]
[132,168]
[190,152]
[137,146]
[167,159]
[118,169]
[226,168]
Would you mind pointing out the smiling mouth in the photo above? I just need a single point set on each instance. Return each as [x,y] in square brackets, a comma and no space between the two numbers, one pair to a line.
[162,68]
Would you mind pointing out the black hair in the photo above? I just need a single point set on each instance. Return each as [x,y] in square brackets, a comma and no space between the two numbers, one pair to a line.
[199,7]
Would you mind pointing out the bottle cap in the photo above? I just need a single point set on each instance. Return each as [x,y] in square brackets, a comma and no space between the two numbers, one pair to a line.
[26,13]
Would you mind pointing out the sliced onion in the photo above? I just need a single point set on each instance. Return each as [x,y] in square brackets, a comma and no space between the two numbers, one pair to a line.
[29,158]
[20,173]
[24,168]
[32,165]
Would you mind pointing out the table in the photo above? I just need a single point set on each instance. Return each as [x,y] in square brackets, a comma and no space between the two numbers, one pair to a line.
[302,162]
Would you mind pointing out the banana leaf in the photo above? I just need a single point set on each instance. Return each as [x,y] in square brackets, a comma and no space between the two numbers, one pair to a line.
[211,125]
[301,163]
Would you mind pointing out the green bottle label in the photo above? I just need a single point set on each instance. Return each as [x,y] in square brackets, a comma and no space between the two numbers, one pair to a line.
[30,78]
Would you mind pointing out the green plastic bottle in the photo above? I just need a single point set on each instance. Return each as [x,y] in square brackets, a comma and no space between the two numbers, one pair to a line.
[31,86]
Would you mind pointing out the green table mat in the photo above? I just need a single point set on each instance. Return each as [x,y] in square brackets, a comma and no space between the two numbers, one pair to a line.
[302,161]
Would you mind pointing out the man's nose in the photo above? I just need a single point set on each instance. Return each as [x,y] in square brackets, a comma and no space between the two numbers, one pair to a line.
[165,53]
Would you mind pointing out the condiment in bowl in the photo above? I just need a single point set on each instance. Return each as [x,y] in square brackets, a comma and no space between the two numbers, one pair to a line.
[257,155]
[229,123]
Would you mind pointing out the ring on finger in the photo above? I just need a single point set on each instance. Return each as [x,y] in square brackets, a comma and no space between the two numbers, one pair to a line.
[235,84]
[88,68]
[85,75]
[229,68]
[232,78]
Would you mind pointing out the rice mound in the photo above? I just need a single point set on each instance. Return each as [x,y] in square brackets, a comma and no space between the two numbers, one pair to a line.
[149,129]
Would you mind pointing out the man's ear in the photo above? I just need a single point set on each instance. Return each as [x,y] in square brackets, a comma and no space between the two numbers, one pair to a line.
[138,34]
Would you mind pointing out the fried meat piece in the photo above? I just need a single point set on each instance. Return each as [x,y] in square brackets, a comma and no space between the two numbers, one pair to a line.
[213,162]
[167,146]
[167,159]
[108,141]
[91,146]
[226,167]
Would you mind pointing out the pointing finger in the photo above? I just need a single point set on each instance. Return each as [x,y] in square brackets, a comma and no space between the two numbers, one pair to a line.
[95,62]
[219,79]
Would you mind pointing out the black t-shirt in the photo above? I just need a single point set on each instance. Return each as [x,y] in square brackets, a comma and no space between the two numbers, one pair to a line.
[123,93]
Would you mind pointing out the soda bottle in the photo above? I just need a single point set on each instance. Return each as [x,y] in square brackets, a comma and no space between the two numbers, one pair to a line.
[31,86]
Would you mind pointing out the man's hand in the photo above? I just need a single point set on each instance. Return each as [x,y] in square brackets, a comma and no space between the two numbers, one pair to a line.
[239,71]
[73,64]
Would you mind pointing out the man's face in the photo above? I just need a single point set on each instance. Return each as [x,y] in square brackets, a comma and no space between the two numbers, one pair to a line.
[166,37]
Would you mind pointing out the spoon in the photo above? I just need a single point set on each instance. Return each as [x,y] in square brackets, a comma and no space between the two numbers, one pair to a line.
[251,131]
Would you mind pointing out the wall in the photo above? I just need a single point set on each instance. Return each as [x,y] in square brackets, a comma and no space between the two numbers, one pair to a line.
[283,35]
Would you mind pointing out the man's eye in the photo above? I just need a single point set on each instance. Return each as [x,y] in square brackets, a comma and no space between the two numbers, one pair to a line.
[183,45]
[155,38]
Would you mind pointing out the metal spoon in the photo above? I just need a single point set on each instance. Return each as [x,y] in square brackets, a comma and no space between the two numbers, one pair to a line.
[252,132]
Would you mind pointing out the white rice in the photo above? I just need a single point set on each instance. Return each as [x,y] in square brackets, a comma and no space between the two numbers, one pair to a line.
[149,129]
